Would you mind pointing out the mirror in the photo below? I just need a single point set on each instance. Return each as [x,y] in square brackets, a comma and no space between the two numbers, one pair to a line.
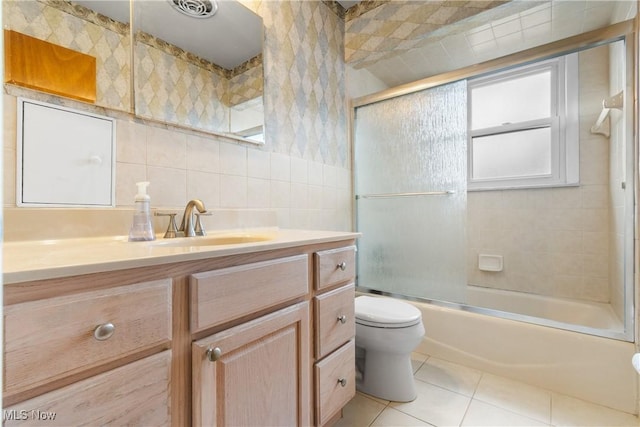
[87,27]
[198,64]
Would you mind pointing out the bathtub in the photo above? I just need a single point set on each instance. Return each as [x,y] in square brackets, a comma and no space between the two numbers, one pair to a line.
[572,312]
[588,367]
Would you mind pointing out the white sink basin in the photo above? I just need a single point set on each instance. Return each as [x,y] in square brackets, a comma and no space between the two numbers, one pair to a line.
[214,240]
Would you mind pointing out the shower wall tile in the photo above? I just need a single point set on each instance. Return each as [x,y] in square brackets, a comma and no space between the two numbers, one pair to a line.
[555,241]
[594,196]
[617,195]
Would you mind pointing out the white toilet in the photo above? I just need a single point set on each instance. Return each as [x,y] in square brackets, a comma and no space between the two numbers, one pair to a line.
[387,331]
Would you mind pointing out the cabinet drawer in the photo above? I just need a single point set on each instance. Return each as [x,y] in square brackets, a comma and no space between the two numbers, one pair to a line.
[52,338]
[334,319]
[134,394]
[331,394]
[334,266]
[230,293]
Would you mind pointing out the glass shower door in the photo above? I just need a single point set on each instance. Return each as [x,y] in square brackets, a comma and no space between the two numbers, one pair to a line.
[410,184]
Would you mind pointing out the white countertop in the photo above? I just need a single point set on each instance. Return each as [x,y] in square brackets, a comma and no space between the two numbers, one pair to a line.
[46,259]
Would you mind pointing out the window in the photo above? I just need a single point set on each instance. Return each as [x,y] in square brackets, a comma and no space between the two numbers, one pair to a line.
[523,126]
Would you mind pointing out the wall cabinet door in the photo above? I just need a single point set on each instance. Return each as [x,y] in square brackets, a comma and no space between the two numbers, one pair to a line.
[255,374]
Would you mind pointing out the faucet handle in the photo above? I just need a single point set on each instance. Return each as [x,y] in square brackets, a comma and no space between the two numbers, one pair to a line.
[172,230]
[199,230]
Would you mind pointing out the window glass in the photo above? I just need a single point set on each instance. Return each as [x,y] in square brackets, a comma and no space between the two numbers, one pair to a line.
[512,155]
[511,100]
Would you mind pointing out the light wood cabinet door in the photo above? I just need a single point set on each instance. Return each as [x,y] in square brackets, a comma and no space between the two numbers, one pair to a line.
[136,394]
[258,374]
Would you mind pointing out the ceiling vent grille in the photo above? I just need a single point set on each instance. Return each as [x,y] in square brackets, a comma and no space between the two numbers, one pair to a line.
[196,8]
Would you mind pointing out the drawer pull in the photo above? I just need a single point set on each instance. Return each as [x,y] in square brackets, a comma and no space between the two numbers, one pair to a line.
[342,319]
[213,354]
[104,332]
[342,382]
[342,266]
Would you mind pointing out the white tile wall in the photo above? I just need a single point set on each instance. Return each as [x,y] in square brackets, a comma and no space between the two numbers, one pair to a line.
[226,175]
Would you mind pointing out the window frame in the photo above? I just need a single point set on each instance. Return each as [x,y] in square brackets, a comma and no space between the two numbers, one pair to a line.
[563,123]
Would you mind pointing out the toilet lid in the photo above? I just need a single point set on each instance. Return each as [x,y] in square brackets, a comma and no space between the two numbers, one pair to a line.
[385,312]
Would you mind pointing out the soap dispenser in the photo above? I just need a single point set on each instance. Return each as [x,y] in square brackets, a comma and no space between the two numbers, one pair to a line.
[141,228]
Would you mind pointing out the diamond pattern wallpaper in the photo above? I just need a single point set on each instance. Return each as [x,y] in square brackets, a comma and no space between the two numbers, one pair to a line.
[246,85]
[174,90]
[305,96]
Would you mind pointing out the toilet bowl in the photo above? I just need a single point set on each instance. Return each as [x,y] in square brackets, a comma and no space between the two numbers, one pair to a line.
[387,331]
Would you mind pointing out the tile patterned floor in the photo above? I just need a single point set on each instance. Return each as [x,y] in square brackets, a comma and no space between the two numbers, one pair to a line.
[455,395]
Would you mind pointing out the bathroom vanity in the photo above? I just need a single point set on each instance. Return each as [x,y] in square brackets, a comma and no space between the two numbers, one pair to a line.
[106,332]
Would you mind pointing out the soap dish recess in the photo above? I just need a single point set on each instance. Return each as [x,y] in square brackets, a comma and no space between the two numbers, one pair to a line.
[490,262]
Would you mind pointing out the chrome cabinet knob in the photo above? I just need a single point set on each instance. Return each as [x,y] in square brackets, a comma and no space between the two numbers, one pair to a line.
[342,266]
[104,332]
[213,354]
[342,319]
[342,382]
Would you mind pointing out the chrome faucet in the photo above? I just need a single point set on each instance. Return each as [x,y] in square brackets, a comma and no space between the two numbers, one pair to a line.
[187,225]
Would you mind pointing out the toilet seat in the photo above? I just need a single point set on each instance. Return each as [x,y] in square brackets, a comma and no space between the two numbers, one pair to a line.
[385,313]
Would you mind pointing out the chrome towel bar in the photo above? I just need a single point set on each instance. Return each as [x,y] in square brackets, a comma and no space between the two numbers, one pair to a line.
[392,195]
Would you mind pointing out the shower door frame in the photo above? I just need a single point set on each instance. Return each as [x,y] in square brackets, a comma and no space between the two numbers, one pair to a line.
[629,32]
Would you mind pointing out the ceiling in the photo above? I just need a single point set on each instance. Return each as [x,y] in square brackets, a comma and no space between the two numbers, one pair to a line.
[546,22]
[230,37]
